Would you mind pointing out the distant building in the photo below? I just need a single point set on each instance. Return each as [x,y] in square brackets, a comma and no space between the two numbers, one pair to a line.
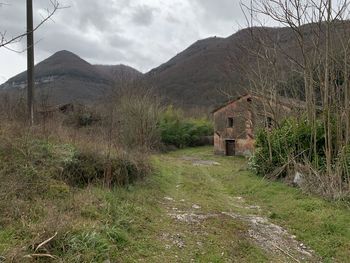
[49,111]
[236,122]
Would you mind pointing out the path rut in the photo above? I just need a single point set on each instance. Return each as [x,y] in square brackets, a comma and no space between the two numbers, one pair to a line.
[190,214]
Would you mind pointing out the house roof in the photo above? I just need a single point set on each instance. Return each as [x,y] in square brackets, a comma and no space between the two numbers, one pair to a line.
[288,102]
[229,102]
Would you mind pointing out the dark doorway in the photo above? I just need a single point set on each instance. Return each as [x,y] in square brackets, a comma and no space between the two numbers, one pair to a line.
[230,147]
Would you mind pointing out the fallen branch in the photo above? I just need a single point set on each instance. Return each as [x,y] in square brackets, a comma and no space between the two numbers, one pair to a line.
[285,252]
[40,256]
[45,242]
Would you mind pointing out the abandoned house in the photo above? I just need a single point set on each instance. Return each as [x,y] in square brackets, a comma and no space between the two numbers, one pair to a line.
[48,111]
[236,121]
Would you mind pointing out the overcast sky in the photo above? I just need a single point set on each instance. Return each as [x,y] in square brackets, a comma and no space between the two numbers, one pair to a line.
[139,33]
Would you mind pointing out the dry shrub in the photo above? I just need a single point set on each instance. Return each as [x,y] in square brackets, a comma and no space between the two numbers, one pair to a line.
[134,115]
[331,186]
[13,107]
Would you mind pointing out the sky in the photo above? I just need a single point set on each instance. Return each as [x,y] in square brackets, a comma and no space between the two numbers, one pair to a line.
[139,33]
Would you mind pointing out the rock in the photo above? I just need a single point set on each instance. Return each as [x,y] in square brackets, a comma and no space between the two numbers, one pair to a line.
[239,198]
[168,198]
[196,206]
[298,179]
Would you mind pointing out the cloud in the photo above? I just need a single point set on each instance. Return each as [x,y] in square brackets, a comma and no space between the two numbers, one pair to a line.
[143,15]
[142,34]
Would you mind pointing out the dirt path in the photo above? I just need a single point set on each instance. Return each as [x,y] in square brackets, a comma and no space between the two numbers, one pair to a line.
[203,216]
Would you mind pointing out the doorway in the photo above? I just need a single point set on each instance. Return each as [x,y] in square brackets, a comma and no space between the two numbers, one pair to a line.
[230,147]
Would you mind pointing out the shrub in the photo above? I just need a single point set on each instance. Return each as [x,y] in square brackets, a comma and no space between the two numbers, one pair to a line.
[291,141]
[138,118]
[87,168]
[296,146]
[180,131]
[81,116]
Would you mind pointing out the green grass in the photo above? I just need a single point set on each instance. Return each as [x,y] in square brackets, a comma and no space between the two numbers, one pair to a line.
[132,224]
[323,225]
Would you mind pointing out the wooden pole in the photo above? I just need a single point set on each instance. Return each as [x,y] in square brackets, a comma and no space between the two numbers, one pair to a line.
[30,62]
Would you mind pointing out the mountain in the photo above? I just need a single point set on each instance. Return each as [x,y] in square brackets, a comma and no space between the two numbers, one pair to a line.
[204,75]
[118,72]
[65,77]
[208,71]
[211,70]
[194,76]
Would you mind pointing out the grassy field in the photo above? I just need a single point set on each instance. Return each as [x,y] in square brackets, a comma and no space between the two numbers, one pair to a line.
[179,214]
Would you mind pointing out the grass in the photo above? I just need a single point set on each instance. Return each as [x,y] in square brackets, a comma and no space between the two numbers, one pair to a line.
[323,225]
[132,223]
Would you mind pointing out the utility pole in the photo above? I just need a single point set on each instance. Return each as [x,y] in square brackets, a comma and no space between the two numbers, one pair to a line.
[30,62]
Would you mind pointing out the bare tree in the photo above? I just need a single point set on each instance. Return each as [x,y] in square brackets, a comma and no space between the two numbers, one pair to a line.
[319,30]
[6,41]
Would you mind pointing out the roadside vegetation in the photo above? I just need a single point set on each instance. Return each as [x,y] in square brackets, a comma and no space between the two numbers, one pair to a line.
[314,145]
[286,152]
[66,183]
[136,222]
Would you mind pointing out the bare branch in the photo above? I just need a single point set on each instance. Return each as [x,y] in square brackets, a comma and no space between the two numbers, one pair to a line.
[4,41]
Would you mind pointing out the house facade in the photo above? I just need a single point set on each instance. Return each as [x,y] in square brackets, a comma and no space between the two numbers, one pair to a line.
[236,122]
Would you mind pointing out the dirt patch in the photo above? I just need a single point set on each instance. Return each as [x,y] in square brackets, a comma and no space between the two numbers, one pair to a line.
[175,240]
[199,162]
[191,218]
[274,238]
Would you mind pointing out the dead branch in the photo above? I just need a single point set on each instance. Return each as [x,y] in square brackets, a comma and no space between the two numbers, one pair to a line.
[4,41]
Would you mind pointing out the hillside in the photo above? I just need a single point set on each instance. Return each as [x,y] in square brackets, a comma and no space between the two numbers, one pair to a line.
[212,69]
[65,77]
[118,72]
[205,72]
[193,76]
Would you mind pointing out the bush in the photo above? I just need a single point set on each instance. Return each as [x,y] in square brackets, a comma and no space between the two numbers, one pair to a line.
[81,116]
[138,118]
[182,132]
[88,168]
[291,141]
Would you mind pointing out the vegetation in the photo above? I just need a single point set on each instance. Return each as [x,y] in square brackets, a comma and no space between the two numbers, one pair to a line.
[288,149]
[84,169]
[138,113]
[319,75]
[44,181]
[281,146]
[95,193]
[132,223]
[182,132]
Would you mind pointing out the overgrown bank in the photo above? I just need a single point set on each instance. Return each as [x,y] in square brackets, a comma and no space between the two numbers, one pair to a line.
[55,189]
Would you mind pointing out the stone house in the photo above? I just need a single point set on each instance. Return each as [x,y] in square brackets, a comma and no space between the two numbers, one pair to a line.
[236,122]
